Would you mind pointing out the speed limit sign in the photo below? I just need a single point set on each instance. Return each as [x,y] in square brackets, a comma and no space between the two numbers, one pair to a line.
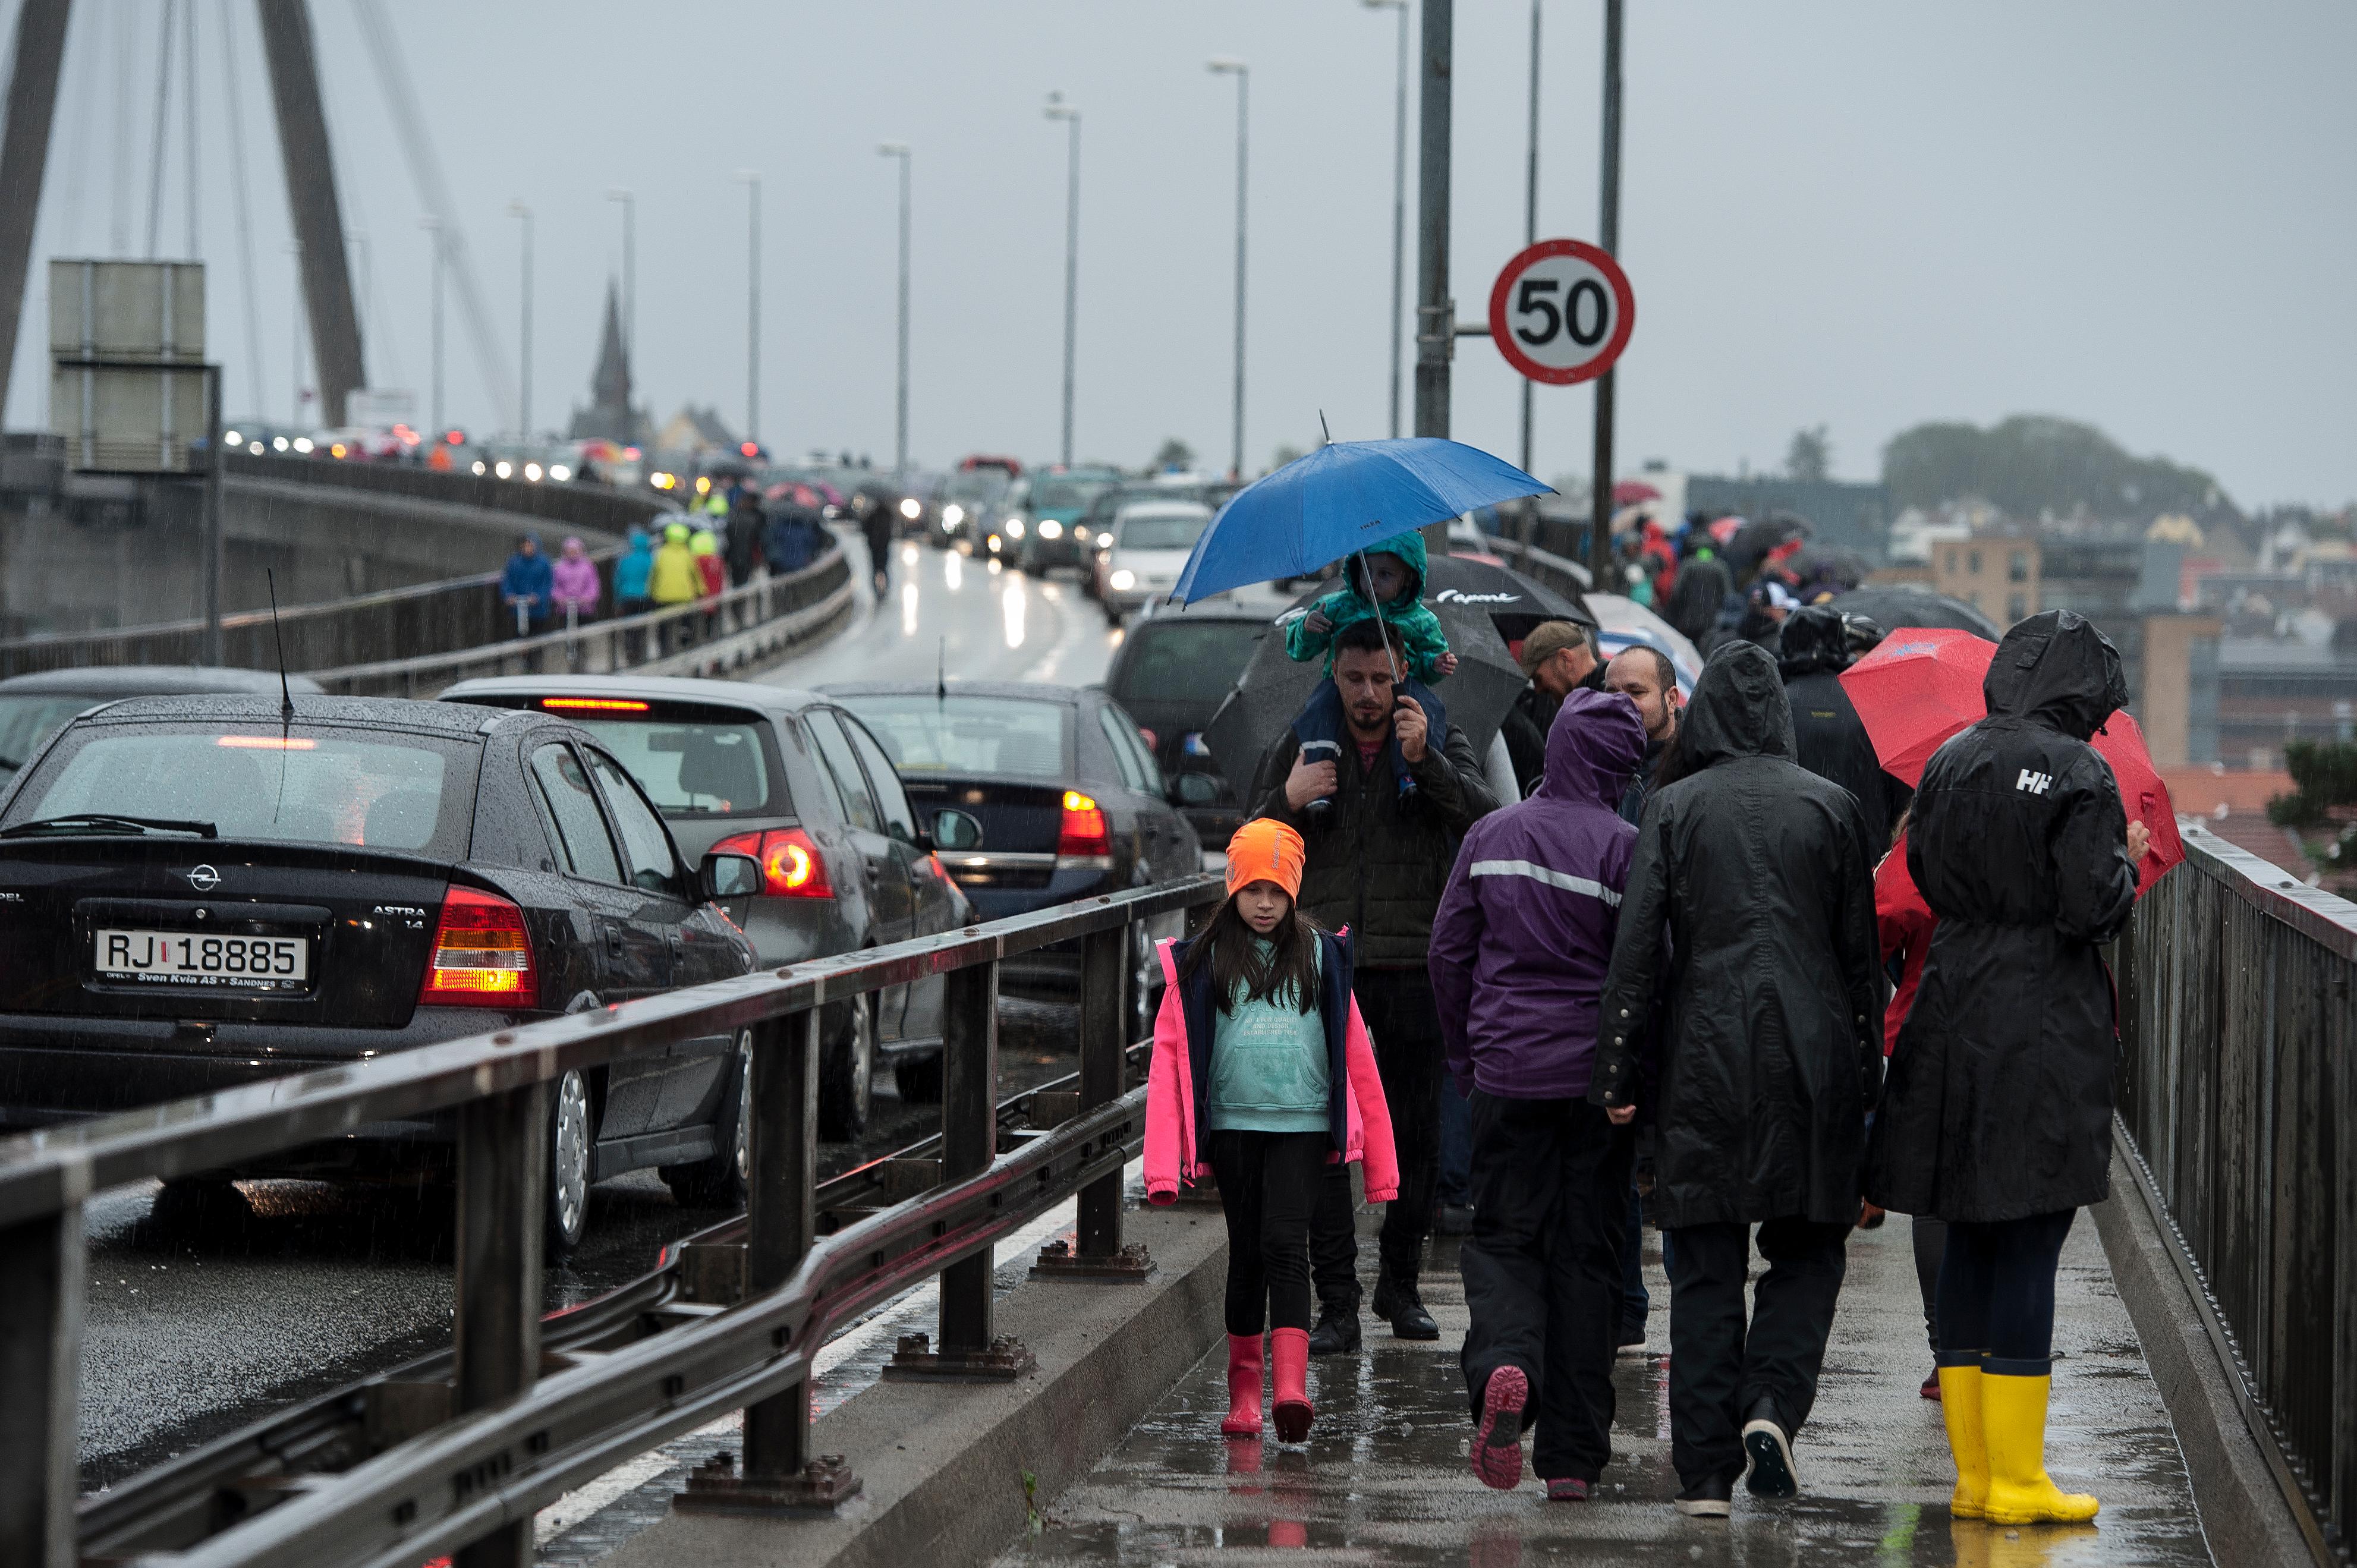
[1561,311]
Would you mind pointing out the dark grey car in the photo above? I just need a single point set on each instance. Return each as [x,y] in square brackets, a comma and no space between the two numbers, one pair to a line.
[792,779]
[35,707]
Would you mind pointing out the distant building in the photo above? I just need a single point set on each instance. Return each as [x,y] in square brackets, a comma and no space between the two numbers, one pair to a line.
[610,416]
[693,430]
[1996,571]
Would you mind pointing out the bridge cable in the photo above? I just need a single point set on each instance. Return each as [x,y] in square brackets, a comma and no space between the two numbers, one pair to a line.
[189,79]
[163,97]
[119,206]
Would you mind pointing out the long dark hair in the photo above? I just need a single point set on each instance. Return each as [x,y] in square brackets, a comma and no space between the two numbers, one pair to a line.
[1285,976]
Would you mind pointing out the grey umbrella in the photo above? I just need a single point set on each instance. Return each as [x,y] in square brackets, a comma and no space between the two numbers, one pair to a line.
[1891,606]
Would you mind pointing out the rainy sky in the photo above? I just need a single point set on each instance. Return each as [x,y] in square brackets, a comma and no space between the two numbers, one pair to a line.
[2136,213]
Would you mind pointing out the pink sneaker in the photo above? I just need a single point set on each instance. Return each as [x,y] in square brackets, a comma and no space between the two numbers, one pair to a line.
[1498,1441]
[1567,1489]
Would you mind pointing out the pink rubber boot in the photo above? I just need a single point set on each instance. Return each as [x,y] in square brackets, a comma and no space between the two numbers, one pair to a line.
[1243,1387]
[1289,1350]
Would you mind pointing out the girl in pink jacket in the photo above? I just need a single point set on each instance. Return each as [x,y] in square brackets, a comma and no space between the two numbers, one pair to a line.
[1262,1072]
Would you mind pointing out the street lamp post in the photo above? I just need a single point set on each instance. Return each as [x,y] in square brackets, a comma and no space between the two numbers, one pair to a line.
[432,227]
[751,180]
[1228,65]
[630,269]
[901,417]
[523,402]
[1059,110]
[1399,202]
[1531,206]
[1599,537]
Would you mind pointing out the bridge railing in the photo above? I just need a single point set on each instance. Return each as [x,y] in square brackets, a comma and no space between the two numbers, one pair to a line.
[2237,1114]
[521,1433]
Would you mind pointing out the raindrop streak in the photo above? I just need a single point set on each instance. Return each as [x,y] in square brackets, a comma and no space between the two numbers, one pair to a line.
[1014,602]
[952,570]
[907,609]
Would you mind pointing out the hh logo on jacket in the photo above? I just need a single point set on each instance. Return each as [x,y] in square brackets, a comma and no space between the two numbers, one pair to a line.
[2035,783]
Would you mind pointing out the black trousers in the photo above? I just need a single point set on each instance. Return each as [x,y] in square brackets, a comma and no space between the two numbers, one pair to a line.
[1268,1185]
[1397,1006]
[1930,1243]
[1543,1269]
[1996,1292]
[1718,1367]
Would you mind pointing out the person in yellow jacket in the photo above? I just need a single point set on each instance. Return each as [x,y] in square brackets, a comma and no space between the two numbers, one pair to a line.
[674,579]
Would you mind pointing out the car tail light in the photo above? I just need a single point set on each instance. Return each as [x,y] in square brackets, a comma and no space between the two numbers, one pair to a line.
[481,952]
[792,866]
[1084,837]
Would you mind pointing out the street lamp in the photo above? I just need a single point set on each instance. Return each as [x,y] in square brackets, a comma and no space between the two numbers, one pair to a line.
[523,402]
[1059,110]
[751,180]
[1399,202]
[630,268]
[432,226]
[1530,207]
[1228,65]
[900,424]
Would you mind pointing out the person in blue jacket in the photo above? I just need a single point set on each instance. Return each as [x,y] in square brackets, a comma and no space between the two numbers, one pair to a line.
[527,585]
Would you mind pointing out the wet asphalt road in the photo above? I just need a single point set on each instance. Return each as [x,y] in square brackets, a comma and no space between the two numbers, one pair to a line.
[195,1328]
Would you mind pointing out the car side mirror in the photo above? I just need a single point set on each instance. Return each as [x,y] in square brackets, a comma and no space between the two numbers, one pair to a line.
[1194,789]
[729,876]
[956,830]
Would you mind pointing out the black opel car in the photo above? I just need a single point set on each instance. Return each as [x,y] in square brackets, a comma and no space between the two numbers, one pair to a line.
[199,892]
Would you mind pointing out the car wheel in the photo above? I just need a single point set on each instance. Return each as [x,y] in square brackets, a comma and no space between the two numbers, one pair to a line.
[568,1165]
[721,1181]
[1144,984]
[846,1075]
[199,1203]
[919,1082]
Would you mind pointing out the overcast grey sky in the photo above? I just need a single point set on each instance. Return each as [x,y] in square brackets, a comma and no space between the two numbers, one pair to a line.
[2136,213]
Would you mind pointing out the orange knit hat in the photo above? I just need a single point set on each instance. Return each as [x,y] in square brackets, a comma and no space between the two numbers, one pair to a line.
[1265,851]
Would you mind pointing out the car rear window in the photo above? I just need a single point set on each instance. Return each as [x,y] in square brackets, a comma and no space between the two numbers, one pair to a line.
[1163,531]
[693,762]
[1174,661]
[29,719]
[311,784]
[927,733]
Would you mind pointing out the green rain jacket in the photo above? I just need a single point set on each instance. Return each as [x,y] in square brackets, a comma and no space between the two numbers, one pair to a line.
[1409,616]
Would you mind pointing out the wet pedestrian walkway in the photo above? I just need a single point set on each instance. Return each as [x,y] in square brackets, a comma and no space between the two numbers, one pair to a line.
[1383,1479]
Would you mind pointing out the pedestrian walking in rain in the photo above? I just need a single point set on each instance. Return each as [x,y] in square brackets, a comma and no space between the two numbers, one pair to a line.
[573,581]
[1998,1115]
[1643,674]
[880,522]
[1748,923]
[1262,1072]
[1519,951]
[1557,657]
[1829,741]
[1904,924]
[742,549]
[674,580]
[1376,864]
[633,595]
[1384,585]
[525,585]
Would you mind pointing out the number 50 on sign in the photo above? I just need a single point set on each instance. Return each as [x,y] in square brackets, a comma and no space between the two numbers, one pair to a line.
[1561,311]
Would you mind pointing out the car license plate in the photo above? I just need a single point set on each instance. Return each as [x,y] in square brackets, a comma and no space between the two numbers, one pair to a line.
[203,958]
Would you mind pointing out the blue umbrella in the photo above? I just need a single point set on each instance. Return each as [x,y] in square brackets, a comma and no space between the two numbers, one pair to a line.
[1344,496]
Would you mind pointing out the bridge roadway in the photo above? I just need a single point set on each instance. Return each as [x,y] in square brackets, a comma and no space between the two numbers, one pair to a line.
[195,1328]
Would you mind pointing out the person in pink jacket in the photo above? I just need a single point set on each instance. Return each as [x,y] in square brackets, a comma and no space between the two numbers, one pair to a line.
[1263,1074]
[574,582]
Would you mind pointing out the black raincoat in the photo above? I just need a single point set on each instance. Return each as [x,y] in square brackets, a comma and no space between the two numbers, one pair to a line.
[1999,1103]
[1827,737]
[1749,918]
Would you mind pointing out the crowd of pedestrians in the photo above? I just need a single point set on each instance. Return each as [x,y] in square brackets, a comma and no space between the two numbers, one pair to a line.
[1688,960]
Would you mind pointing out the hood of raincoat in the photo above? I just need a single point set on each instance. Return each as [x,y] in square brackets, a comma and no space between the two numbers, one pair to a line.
[1408,547]
[675,533]
[572,545]
[1596,743]
[640,543]
[1815,639]
[1738,709]
[704,543]
[2058,669]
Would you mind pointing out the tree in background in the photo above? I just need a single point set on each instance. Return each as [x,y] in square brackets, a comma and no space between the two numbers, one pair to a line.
[2033,465]
[2324,796]
[1810,458]
[1174,453]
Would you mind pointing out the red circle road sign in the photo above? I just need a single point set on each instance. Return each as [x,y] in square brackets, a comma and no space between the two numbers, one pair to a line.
[1561,311]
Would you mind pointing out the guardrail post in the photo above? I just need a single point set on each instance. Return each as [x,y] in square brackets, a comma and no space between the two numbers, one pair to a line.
[41,1268]
[502,1198]
[1096,1249]
[779,1474]
[970,1351]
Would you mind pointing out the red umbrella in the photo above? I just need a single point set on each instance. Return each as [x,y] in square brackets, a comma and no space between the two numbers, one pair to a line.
[1629,492]
[1922,684]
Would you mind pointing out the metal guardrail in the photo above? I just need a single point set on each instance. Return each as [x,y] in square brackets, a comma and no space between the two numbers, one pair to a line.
[522,1434]
[601,507]
[2237,1114]
[764,616]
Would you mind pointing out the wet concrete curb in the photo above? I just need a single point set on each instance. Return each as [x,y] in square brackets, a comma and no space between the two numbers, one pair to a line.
[2245,1515]
[944,1466]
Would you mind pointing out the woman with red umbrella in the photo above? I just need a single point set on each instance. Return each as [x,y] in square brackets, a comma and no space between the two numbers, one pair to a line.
[1997,1117]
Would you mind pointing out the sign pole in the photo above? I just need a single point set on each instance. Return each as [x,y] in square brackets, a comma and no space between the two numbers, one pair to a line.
[1599,542]
[1436,313]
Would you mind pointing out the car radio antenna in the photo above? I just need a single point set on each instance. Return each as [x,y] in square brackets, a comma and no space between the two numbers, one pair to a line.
[1327,429]
[285,694]
[942,673]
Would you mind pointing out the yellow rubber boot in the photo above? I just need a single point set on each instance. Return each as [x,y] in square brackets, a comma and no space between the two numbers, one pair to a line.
[2013,1420]
[1960,1405]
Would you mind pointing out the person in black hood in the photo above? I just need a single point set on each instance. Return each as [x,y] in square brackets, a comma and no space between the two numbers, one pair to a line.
[1997,1117]
[1830,740]
[1749,917]
[1701,593]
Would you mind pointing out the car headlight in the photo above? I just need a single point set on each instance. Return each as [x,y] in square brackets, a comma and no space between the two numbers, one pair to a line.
[1051,529]
[559,471]
[1123,580]
[912,509]
[952,515]
[994,544]
[1014,528]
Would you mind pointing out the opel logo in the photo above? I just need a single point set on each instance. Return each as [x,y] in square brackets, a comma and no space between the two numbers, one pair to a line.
[204,879]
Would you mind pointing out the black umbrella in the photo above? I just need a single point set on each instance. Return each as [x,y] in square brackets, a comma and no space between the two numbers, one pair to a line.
[1478,604]
[1761,536]
[1819,566]
[1893,606]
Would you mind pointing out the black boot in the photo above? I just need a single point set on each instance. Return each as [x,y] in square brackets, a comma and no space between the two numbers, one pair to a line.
[1337,1332]
[1404,1308]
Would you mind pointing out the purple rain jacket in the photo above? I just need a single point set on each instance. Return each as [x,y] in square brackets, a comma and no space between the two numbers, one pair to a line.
[1525,930]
